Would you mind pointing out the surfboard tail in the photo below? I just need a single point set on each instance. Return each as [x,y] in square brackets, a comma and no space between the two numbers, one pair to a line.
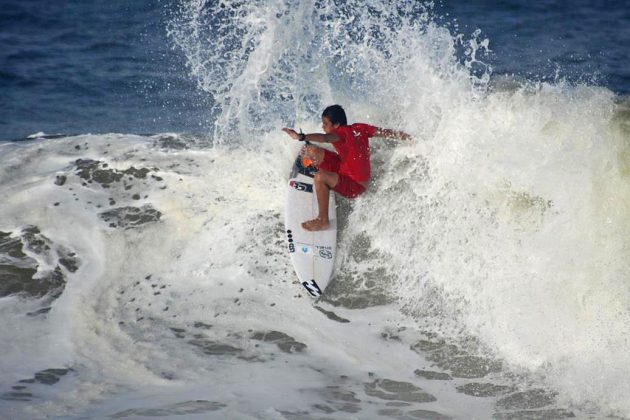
[312,288]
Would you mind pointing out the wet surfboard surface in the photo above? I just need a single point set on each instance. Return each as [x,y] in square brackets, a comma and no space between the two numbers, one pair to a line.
[312,253]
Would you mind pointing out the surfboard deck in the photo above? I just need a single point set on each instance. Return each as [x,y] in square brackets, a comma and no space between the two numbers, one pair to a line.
[312,253]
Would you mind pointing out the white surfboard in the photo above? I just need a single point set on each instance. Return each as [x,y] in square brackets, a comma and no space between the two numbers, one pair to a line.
[312,253]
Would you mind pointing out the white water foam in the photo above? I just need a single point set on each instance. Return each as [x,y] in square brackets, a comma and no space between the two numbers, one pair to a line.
[520,222]
[162,318]
[506,219]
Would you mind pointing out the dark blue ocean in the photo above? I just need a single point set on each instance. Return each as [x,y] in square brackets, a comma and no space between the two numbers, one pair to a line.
[101,66]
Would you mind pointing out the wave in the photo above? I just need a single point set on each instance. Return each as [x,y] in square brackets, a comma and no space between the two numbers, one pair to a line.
[491,249]
[506,218]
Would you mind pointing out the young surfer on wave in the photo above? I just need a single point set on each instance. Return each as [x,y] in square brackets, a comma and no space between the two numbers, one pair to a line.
[346,172]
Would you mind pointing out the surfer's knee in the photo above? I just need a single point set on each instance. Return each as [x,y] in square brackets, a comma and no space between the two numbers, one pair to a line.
[320,178]
[326,178]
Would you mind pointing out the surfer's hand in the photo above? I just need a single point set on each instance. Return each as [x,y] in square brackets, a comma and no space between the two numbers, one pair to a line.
[404,136]
[307,151]
[292,133]
[391,134]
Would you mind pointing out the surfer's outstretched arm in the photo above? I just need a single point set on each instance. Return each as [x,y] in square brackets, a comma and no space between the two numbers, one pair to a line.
[312,137]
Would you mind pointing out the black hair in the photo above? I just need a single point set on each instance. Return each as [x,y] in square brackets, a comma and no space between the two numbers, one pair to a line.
[335,114]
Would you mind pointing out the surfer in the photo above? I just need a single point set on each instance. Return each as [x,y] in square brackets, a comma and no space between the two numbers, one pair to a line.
[346,172]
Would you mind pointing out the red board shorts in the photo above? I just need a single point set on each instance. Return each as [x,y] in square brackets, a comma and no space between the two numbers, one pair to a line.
[346,186]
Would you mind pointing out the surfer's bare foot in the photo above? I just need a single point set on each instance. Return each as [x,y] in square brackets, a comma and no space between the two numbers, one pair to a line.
[316,224]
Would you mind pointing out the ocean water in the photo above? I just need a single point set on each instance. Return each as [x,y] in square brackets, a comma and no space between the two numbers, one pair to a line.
[143,263]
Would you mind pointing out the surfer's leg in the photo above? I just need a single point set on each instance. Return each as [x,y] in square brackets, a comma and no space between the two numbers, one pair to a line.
[324,182]
[348,187]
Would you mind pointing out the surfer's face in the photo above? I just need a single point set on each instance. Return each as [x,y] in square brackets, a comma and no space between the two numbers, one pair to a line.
[328,126]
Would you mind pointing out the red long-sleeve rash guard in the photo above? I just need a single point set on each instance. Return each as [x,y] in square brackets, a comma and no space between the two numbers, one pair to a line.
[353,148]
